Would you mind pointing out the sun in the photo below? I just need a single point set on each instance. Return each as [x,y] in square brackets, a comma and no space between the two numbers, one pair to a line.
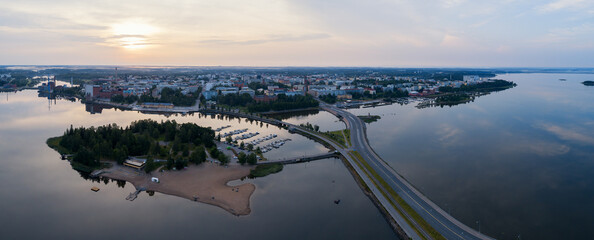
[133,35]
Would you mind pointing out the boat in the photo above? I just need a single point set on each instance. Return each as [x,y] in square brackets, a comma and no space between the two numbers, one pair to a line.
[95,189]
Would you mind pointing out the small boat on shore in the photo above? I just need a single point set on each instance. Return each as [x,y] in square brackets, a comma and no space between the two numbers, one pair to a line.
[95,189]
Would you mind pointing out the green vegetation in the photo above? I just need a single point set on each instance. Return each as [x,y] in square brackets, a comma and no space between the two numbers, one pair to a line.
[328,98]
[265,170]
[399,201]
[124,100]
[110,142]
[496,85]
[347,134]
[250,158]
[54,143]
[176,97]
[453,98]
[588,83]
[336,136]
[284,102]
[369,118]
[309,126]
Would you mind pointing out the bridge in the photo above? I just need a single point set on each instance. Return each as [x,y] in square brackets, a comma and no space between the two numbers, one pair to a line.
[426,220]
[301,159]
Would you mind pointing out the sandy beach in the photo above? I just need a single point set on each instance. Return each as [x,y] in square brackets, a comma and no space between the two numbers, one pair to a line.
[206,183]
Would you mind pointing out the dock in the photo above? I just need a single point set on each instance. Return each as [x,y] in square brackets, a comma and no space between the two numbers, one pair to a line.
[134,195]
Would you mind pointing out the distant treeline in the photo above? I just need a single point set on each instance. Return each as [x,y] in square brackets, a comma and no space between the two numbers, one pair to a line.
[89,145]
[496,85]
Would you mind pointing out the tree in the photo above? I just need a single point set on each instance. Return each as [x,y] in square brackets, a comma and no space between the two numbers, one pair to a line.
[228,139]
[170,163]
[242,158]
[252,159]
[150,164]
[241,145]
[214,152]
[250,147]
[180,163]
[316,128]
[224,159]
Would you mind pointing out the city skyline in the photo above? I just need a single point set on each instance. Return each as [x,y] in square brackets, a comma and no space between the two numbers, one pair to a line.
[445,33]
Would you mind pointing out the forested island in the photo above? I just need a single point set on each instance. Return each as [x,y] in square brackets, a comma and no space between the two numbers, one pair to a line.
[108,147]
[180,144]
[489,86]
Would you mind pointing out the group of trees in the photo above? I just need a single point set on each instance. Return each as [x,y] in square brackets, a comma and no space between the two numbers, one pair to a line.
[174,96]
[140,138]
[284,102]
[125,100]
[244,158]
[310,126]
[235,99]
[452,98]
[495,85]
[328,98]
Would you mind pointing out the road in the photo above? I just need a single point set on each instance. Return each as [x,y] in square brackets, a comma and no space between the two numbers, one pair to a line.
[445,224]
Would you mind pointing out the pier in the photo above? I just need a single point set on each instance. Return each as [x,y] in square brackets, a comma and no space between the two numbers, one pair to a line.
[333,154]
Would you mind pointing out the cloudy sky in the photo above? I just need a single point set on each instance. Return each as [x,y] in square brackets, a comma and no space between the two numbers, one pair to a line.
[387,33]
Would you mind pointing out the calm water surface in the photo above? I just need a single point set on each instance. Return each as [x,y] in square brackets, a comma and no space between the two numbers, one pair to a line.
[518,162]
[42,197]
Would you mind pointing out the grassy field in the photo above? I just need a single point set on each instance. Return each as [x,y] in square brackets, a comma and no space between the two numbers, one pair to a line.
[265,170]
[370,118]
[336,136]
[347,134]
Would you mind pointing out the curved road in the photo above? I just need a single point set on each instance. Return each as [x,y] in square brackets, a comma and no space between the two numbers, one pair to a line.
[445,224]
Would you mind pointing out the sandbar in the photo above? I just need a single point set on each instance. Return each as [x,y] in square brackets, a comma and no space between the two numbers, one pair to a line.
[206,183]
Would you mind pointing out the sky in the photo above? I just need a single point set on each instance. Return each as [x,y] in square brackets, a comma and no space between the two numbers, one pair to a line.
[380,33]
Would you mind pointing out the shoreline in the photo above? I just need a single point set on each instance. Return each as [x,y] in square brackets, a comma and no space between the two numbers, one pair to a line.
[205,183]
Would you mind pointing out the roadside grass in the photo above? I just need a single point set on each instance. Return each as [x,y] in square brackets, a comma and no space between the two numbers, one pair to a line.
[347,134]
[336,137]
[411,212]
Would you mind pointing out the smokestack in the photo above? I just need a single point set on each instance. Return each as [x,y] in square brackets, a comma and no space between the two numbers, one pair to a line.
[116,73]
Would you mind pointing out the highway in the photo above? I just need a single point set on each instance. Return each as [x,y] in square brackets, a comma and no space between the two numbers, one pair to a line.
[446,225]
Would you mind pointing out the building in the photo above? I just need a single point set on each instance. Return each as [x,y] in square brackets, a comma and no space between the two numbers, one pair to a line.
[133,163]
[157,105]
[247,90]
[471,78]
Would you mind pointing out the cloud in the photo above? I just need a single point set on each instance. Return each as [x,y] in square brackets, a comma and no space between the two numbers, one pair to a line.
[567,134]
[451,3]
[560,4]
[448,133]
[547,149]
[269,39]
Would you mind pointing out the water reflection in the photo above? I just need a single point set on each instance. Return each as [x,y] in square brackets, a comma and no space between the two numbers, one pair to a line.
[44,198]
[519,161]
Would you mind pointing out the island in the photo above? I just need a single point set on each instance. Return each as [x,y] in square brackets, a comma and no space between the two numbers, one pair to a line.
[183,160]
[588,83]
